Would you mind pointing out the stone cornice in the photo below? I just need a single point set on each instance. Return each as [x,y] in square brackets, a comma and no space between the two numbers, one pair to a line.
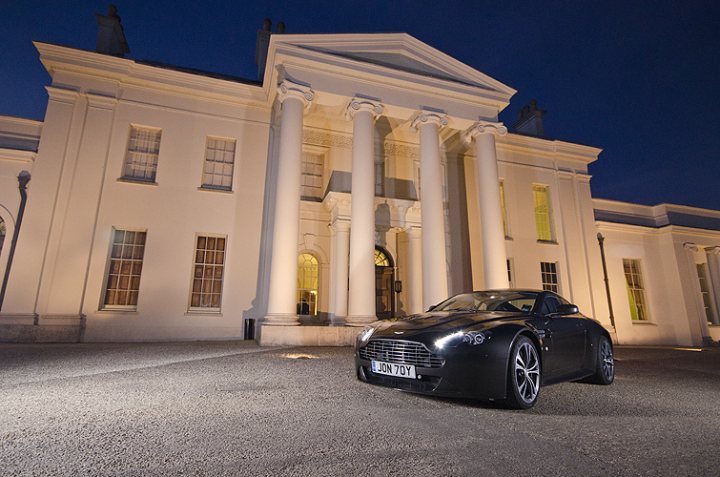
[325,138]
[124,71]
[101,102]
[550,148]
[319,52]
[63,95]
[17,155]
[606,226]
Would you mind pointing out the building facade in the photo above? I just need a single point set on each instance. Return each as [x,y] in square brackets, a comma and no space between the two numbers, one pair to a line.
[365,176]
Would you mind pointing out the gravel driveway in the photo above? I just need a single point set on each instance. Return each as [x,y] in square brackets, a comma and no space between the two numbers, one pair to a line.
[237,409]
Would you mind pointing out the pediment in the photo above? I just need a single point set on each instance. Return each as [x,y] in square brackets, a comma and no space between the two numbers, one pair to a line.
[399,52]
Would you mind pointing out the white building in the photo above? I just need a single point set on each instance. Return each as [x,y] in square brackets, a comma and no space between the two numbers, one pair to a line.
[168,204]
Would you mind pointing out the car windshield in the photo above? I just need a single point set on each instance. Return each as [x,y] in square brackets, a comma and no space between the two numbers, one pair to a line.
[512,301]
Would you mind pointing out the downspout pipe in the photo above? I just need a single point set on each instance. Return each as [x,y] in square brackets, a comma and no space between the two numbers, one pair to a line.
[23,179]
[601,241]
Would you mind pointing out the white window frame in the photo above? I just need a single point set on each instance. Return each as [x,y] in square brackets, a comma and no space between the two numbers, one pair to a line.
[206,309]
[510,263]
[207,162]
[300,290]
[322,154]
[550,224]
[103,306]
[706,294]
[556,272]
[503,207]
[128,162]
[643,291]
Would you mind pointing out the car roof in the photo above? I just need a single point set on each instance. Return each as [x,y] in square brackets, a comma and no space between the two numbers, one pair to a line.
[518,290]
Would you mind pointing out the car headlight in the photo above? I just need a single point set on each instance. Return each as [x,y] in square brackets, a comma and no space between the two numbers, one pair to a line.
[476,337]
[365,335]
[472,338]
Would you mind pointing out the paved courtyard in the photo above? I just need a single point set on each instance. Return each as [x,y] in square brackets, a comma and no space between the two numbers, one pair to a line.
[237,409]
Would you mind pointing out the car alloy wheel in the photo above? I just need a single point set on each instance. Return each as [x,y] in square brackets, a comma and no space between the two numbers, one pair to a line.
[607,362]
[524,375]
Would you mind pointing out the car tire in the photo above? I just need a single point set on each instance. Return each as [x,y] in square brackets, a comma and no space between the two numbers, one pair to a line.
[524,376]
[604,363]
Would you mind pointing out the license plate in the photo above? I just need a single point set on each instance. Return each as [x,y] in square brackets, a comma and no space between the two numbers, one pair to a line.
[392,369]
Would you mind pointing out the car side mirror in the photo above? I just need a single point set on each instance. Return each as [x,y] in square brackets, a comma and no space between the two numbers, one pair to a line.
[566,310]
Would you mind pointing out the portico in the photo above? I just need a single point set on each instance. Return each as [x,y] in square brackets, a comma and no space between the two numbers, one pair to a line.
[375,122]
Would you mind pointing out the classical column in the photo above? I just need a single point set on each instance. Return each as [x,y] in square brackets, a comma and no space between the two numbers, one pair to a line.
[434,263]
[713,268]
[341,253]
[286,222]
[361,302]
[414,290]
[488,192]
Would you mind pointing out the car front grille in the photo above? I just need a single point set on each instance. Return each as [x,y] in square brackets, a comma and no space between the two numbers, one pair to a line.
[402,352]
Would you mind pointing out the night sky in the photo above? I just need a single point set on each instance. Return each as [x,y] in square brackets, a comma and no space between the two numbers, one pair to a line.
[640,79]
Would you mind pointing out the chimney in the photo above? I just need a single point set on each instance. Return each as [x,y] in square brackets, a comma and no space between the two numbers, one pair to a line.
[111,38]
[263,42]
[530,120]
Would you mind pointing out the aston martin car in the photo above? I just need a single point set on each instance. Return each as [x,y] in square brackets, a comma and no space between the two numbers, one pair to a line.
[498,345]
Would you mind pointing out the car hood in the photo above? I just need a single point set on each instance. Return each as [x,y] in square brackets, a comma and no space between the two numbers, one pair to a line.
[438,323]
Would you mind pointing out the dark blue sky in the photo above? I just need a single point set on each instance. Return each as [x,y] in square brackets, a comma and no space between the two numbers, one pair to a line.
[641,79]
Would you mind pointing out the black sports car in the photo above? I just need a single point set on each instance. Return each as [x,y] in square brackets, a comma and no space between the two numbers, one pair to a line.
[495,345]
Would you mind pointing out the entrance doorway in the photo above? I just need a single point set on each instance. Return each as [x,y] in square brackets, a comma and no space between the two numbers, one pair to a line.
[384,284]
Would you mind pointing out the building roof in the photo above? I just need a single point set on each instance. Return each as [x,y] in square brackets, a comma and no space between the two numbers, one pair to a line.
[655,216]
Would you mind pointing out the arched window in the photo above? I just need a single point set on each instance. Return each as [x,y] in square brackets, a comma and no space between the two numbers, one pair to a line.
[3,232]
[384,284]
[381,260]
[307,290]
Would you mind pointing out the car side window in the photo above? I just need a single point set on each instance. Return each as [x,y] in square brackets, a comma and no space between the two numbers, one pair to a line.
[550,305]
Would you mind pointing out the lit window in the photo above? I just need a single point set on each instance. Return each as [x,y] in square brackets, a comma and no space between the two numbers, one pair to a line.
[307,291]
[219,162]
[548,271]
[504,210]
[635,289]
[543,220]
[705,292]
[381,260]
[312,176]
[208,272]
[142,154]
[126,261]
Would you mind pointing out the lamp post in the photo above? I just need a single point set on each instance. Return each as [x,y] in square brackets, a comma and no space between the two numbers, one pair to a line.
[23,179]
[601,241]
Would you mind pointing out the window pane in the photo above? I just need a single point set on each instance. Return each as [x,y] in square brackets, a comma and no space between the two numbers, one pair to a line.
[549,276]
[219,163]
[504,210]
[208,274]
[308,271]
[123,279]
[635,289]
[142,154]
[541,201]
[312,167]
